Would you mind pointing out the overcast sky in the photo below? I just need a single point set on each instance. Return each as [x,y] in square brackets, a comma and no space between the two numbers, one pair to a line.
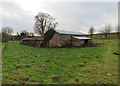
[73,16]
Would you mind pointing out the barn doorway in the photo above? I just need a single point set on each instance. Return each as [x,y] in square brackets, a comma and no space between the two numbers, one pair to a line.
[85,41]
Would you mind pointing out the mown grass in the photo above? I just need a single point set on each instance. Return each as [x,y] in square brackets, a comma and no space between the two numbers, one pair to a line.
[34,65]
[3,45]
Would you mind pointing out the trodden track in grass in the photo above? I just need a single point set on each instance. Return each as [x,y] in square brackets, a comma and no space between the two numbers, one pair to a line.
[23,64]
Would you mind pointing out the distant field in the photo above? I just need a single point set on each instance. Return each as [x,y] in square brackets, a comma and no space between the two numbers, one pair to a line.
[34,65]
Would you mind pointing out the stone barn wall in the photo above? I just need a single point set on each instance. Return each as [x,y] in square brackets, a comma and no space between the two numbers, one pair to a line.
[65,40]
[59,40]
[55,41]
[77,42]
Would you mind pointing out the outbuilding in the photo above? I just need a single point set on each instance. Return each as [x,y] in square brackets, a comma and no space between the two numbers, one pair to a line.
[62,38]
[32,41]
[77,41]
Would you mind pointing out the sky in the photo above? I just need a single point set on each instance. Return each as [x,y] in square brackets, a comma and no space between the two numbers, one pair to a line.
[71,16]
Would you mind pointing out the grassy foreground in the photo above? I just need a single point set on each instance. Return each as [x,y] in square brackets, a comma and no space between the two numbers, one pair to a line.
[3,45]
[34,65]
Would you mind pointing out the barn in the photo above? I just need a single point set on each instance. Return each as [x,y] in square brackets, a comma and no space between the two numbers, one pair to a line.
[62,38]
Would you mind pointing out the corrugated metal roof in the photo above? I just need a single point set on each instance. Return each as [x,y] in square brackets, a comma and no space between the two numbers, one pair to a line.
[81,37]
[69,32]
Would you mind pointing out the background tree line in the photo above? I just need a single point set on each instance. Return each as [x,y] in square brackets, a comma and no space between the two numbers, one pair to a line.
[105,31]
[6,34]
[44,22]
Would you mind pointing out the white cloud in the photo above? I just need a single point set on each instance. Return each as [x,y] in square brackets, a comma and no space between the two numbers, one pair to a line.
[80,16]
[75,16]
[16,17]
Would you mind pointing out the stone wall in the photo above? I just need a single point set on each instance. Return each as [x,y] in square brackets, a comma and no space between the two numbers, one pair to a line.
[65,40]
[59,40]
[31,42]
[77,42]
[55,41]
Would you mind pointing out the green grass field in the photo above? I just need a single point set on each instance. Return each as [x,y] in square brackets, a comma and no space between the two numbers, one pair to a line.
[3,45]
[34,65]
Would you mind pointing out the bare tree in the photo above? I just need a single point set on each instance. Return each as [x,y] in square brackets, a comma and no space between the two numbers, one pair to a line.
[31,34]
[106,30]
[7,30]
[44,22]
[24,34]
[118,30]
[100,32]
[6,34]
[91,31]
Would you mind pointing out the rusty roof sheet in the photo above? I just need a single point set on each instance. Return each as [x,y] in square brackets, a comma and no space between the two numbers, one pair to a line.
[81,38]
[69,32]
[32,39]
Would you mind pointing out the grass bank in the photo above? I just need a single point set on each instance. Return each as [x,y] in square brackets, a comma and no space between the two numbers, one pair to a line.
[34,65]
